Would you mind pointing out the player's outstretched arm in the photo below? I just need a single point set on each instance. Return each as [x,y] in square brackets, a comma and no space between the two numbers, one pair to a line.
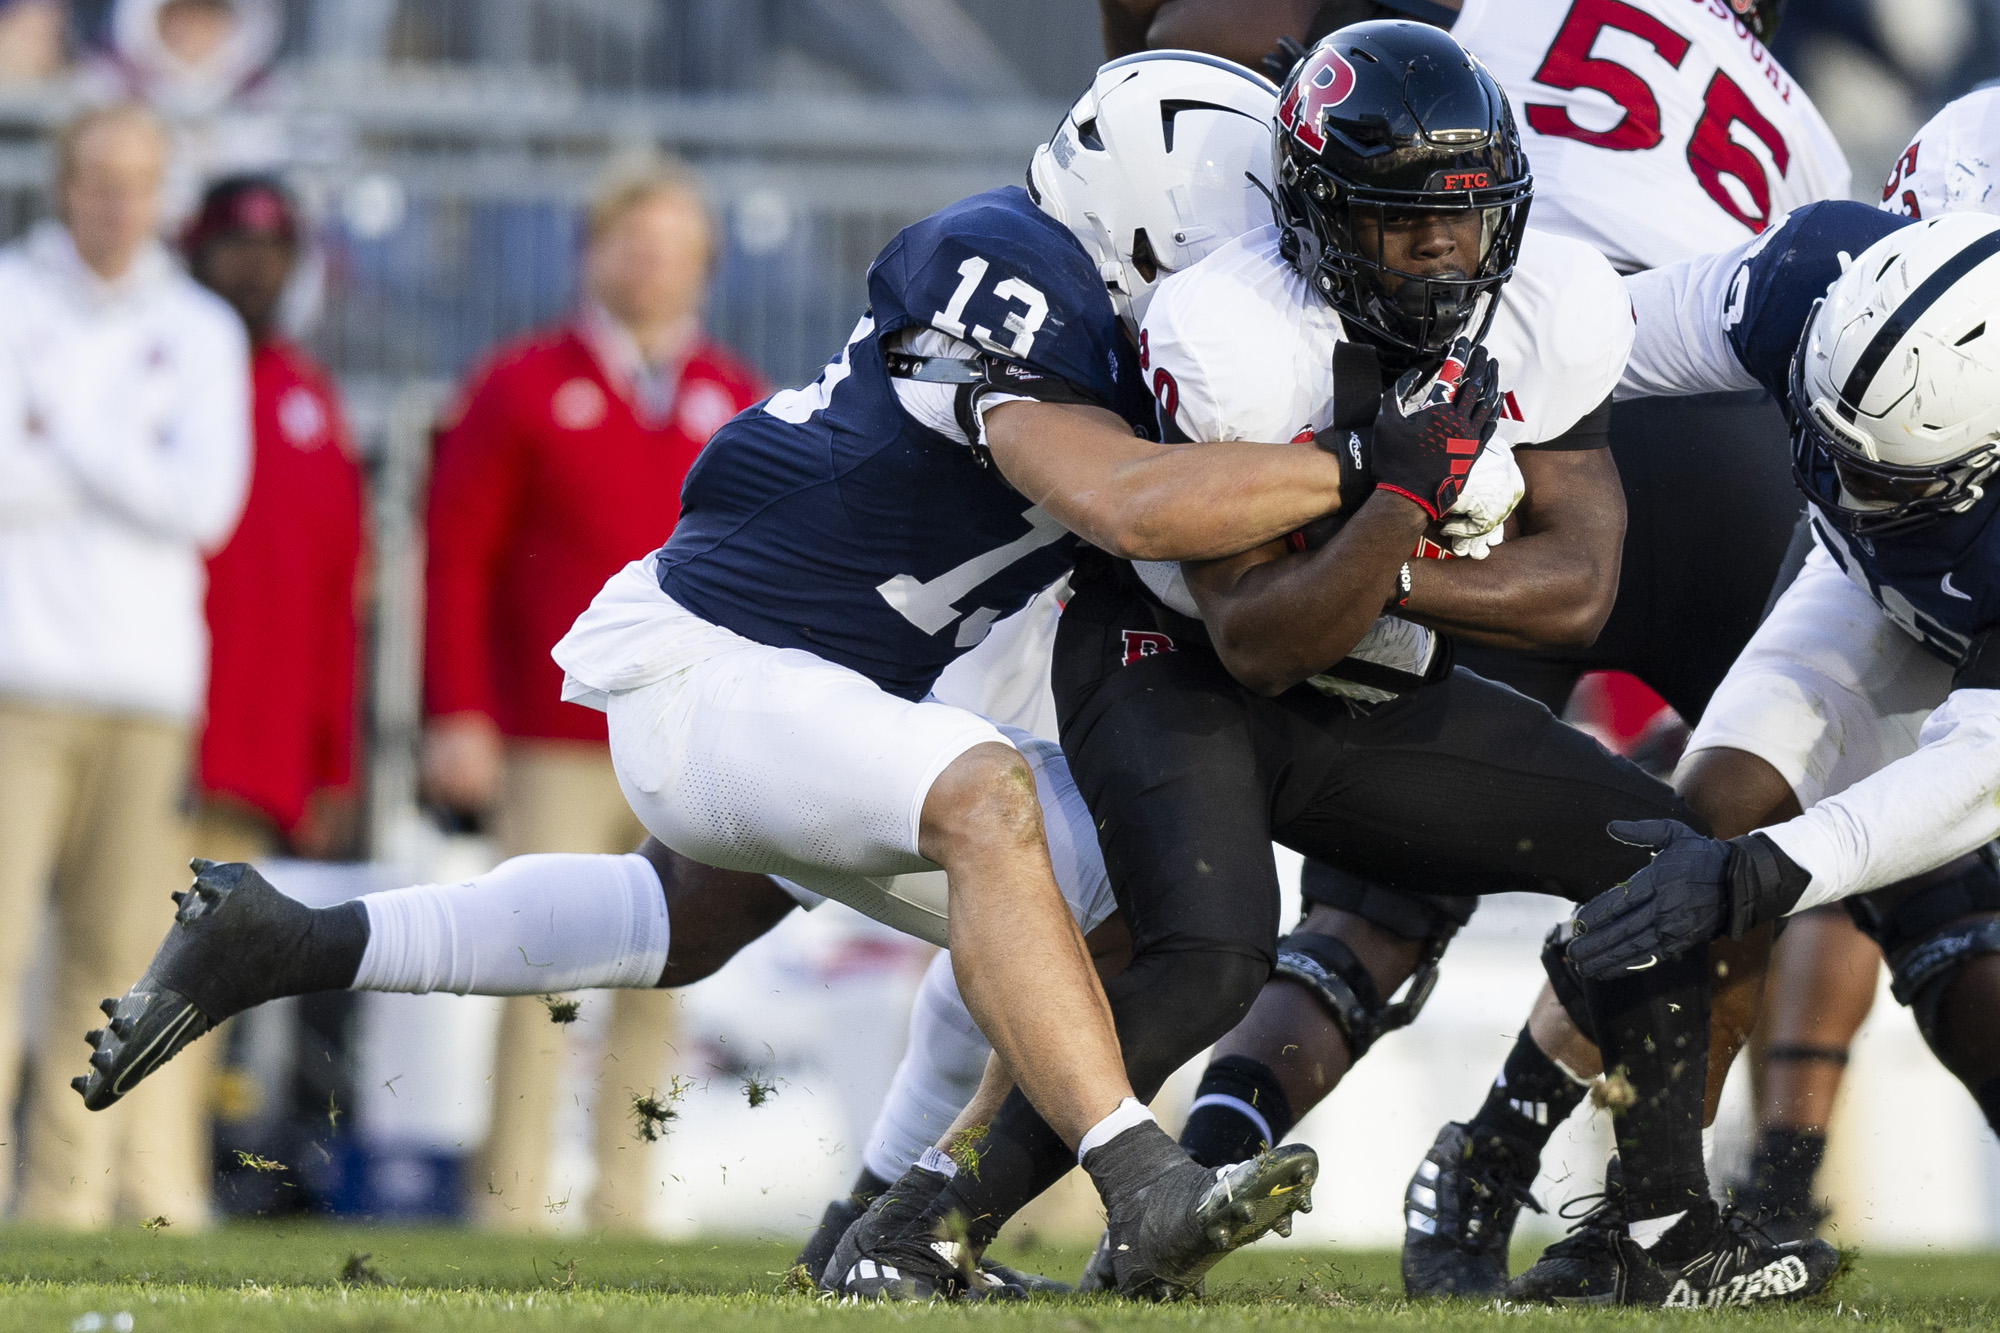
[1553,585]
[1918,813]
[1277,618]
[1146,501]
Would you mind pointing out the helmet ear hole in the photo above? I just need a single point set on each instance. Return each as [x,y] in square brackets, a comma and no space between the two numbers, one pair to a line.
[1143,258]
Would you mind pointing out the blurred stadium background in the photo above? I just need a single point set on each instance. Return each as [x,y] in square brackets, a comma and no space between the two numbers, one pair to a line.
[442,148]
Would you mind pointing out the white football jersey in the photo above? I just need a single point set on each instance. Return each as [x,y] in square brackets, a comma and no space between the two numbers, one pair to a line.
[1656,129]
[1953,164]
[1238,348]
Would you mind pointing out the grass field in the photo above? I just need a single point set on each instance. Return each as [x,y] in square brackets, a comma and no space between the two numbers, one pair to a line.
[309,1276]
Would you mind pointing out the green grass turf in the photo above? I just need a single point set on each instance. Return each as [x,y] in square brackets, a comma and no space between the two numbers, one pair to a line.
[290,1276]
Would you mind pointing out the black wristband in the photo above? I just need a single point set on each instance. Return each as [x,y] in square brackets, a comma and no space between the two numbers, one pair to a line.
[1764,883]
[1357,473]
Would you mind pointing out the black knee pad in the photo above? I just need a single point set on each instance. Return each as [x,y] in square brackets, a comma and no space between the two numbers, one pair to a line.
[1565,983]
[1927,971]
[1329,969]
[1430,918]
[1918,925]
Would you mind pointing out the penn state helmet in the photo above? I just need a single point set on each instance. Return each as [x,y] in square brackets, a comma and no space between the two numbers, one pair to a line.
[1895,386]
[1156,165]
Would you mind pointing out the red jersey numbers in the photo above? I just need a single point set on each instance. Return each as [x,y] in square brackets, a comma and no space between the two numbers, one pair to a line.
[1906,167]
[1570,65]
[1726,167]
[1165,392]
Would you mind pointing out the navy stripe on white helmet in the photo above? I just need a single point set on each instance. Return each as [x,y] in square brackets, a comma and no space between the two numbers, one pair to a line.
[1895,392]
[1152,168]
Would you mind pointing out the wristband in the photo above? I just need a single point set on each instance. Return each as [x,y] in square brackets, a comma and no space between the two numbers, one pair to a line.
[1357,477]
[1403,585]
[1764,883]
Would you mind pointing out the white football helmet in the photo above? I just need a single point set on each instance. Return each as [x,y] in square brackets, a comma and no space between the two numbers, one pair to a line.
[1896,383]
[1151,169]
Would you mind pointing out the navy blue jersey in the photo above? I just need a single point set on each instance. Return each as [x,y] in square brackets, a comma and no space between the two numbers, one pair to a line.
[827,518]
[1940,582]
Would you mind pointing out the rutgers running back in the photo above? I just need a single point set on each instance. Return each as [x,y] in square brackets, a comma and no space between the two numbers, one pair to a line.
[1658,129]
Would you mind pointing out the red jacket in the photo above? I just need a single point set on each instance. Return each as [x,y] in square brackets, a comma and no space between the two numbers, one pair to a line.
[545,486]
[281,704]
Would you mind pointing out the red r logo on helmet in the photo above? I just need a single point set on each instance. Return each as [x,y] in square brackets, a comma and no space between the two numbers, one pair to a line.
[1323,83]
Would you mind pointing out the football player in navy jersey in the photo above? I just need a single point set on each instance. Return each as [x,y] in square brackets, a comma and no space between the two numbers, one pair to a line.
[1850,753]
[766,673]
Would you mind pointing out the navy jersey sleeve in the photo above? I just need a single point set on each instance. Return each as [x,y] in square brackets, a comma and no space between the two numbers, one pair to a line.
[997,272]
[1772,290]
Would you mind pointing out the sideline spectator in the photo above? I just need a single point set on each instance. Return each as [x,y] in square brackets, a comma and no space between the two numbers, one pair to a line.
[124,453]
[31,42]
[188,57]
[564,463]
[277,752]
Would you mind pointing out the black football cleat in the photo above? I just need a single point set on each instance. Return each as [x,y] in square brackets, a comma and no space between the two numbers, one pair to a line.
[901,1249]
[1459,1213]
[1582,1267]
[235,943]
[843,1213]
[840,1214]
[1737,1265]
[1779,1219]
[1098,1275]
[1161,1245]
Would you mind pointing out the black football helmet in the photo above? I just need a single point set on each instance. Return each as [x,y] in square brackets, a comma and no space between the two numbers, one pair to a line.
[1389,118]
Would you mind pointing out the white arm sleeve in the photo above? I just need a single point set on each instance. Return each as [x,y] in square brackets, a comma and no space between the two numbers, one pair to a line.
[1910,816]
[189,482]
[936,405]
[1683,314]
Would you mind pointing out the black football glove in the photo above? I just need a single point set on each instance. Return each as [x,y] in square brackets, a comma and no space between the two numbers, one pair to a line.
[1423,455]
[1695,890]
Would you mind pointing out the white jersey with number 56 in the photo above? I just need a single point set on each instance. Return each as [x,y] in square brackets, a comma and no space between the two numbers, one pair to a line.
[1657,129]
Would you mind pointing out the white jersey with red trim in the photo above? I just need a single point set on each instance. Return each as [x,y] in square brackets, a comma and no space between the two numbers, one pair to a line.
[1953,163]
[1656,129]
[1239,348]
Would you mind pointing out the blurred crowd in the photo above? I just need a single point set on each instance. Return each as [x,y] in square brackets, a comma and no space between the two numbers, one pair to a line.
[184,568]
[182,562]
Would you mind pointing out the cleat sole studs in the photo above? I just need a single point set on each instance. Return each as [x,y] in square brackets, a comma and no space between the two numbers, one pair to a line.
[107,1006]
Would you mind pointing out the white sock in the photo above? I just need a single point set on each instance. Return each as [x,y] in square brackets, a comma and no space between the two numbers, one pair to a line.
[1648,1230]
[1123,1117]
[942,1064]
[529,926]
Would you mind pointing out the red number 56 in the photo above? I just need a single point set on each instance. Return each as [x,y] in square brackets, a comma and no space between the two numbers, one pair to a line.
[1711,151]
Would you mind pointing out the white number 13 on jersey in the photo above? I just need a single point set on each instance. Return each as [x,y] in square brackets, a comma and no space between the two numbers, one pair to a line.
[1023,324]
